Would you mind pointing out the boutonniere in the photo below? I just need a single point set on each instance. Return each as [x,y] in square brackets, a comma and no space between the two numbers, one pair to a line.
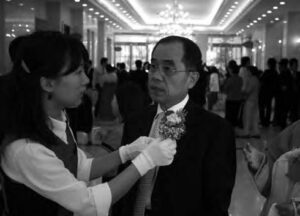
[173,125]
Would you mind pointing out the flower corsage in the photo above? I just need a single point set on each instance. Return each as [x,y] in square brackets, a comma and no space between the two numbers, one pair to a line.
[172,125]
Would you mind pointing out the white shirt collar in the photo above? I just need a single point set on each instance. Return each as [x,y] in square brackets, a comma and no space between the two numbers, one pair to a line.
[176,107]
[59,127]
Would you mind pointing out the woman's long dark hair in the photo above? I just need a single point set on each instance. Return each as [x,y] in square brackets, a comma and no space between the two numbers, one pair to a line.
[41,54]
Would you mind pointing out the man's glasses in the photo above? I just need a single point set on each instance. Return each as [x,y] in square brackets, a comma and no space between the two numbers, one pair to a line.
[164,69]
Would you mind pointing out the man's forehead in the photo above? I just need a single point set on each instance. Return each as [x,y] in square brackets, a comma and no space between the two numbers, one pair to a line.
[168,52]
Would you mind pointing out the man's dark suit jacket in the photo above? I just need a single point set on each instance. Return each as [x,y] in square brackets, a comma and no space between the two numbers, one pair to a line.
[201,178]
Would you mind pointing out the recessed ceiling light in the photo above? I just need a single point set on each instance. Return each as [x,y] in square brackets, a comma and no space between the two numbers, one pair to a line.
[254,21]
[21,4]
[84,5]
[32,9]
[8,0]
[264,15]
[226,16]
[251,24]
[282,3]
[280,41]
[28,30]
[13,30]
[77,0]
[272,21]
[118,5]
[102,16]
[91,9]
[276,18]
[233,6]
[230,10]
[97,13]
[20,25]
[269,11]
[236,2]
[275,7]
[284,21]
[106,19]
[259,18]
[90,16]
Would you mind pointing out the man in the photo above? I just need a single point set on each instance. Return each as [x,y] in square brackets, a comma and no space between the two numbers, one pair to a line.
[202,175]
[295,109]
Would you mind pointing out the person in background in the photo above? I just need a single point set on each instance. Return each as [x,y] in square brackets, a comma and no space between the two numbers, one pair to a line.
[43,171]
[243,72]
[108,83]
[232,87]
[123,75]
[268,88]
[283,99]
[96,85]
[213,88]
[251,113]
[295,109]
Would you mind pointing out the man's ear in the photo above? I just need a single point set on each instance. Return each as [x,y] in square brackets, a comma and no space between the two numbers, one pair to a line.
[194,76]
[47,84]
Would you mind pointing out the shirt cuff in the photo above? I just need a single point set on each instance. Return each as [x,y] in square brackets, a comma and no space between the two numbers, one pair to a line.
[103,199]
[84,166]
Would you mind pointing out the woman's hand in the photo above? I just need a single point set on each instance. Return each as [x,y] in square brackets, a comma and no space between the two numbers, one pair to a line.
[158,153]
[130,151]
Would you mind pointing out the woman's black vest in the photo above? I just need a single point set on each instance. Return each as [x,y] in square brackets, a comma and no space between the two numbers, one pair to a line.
[23,201]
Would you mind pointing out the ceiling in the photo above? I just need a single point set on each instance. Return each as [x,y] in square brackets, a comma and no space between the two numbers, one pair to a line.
[204,15]
[264,12]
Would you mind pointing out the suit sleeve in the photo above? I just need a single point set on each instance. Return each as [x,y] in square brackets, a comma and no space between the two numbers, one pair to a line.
[219,170]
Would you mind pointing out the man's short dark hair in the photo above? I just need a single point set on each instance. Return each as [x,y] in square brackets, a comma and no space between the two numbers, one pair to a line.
[293,61]
[103,60]
[272,63]
[138,64]
[192,57]
[245,60]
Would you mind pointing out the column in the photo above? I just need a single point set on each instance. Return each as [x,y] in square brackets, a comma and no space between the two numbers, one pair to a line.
[202,42]
[77,21]
[101,40]
[53,14]
[274,40]
[2,38]
[291,39]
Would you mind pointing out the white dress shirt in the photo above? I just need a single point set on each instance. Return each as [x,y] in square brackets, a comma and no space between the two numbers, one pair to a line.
[37,167]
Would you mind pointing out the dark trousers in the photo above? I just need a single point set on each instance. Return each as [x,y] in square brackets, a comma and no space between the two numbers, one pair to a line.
[233,111]
[265,109]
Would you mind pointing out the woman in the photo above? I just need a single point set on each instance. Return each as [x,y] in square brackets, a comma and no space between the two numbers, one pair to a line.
[43,170]
[251,113]
[233,90]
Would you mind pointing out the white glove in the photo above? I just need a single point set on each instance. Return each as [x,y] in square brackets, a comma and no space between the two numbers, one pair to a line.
[158,153]
[130,151]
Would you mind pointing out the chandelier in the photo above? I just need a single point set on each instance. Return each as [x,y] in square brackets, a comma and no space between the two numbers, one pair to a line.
[172,21]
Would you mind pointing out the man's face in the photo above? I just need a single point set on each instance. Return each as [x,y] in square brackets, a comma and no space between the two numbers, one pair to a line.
[169,80]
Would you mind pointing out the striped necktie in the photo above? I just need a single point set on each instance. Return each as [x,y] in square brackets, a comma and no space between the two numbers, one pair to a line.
[147,181]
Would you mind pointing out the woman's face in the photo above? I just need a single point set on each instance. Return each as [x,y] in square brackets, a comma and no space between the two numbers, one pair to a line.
[69,89]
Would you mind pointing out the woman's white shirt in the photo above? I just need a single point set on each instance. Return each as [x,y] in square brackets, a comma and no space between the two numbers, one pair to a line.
[38,168]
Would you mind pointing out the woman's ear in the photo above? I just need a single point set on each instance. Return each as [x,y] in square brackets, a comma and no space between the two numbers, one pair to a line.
[194,76]
[47,84]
